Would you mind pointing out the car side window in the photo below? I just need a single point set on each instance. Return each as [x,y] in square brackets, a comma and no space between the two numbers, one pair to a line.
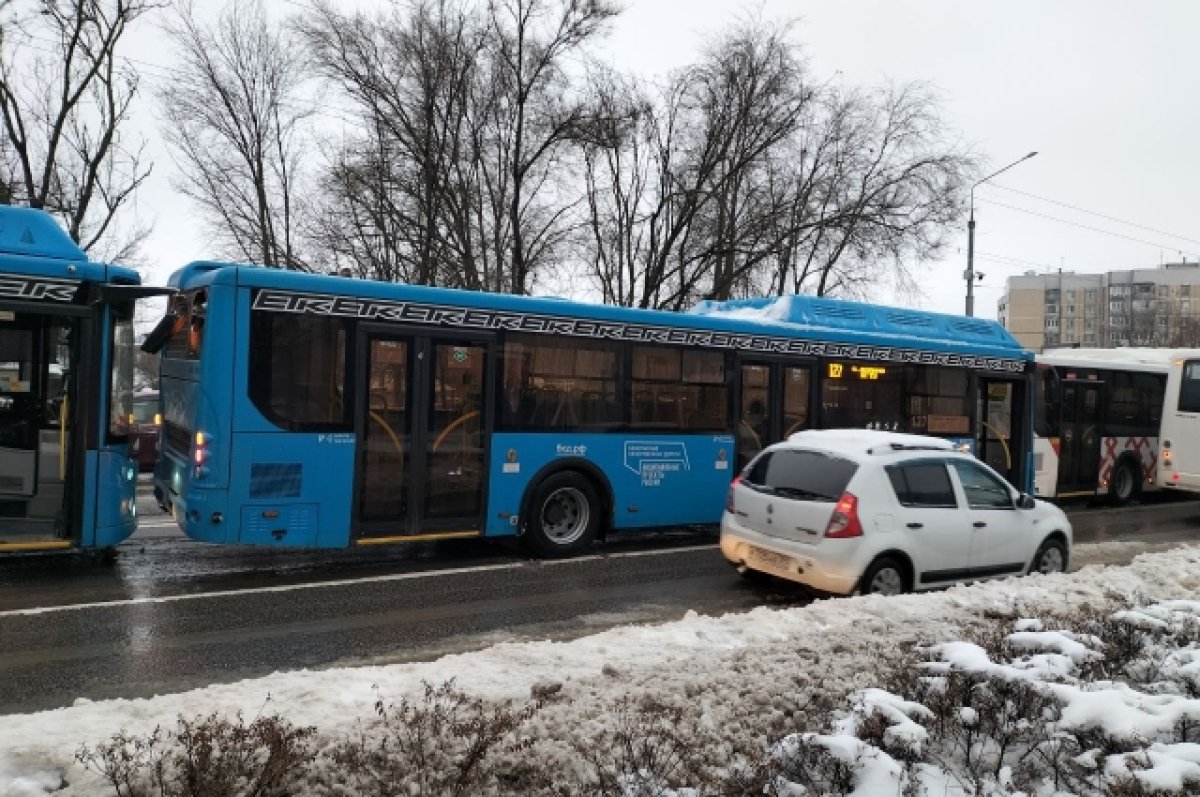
[984,490]
[923,484]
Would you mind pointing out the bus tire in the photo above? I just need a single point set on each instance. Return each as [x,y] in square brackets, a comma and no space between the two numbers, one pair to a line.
[1126,484]
[566,515]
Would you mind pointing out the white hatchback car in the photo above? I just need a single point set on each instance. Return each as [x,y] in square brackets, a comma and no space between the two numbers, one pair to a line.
[855,510]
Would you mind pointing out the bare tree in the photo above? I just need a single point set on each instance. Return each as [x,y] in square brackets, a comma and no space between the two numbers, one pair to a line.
[534,37]
[1185,333]
[457,175]
[235,116]
[410,73]
[877,192]
[689,175]
[66,98]
[746,176]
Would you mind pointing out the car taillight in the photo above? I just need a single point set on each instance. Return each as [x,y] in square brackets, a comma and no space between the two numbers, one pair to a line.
[729,497]
[844,522]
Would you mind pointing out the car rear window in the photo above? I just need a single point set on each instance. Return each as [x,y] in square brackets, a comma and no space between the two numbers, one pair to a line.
[810,475]
[922,484]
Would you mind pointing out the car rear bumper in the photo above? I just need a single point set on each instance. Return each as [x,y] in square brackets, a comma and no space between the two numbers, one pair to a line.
[743,547]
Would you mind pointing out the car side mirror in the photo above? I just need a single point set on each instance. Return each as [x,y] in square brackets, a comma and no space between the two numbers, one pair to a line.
[1025,501]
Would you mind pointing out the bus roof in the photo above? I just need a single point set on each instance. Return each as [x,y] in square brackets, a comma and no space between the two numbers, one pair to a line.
[822,320]
[1154,360]
[33,242]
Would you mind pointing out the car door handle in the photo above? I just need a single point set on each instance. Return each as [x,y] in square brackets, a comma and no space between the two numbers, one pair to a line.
[916,525]
[978,524]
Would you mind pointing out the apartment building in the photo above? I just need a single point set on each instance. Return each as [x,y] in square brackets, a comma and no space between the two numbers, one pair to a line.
[1139,307]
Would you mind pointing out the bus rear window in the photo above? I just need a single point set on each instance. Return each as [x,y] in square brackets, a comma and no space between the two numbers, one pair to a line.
[187,335]
[1189,387]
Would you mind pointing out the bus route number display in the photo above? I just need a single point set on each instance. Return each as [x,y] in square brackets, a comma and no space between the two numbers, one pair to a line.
[869,373]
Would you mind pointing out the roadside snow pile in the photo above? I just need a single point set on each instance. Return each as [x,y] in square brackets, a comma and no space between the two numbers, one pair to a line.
[1084,683]
[1110,706]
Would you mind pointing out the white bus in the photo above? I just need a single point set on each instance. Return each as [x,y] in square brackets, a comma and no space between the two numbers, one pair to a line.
[1098,420]
[1180,467]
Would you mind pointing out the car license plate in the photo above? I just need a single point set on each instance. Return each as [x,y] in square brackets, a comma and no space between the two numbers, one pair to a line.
[770,559]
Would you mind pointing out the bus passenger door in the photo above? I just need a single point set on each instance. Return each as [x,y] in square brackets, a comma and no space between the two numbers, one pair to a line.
[774,403]
[384,425]
[1000,429]
[454,414]
[1079,445]
[421,428]
[35,430]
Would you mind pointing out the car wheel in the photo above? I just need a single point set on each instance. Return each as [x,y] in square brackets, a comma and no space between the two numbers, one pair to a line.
[566,515]
[1126,484]
[1051,557]
[884,577]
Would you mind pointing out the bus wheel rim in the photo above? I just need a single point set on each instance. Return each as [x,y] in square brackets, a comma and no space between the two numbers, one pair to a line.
[1124,483]
[565,515]
[887,582]
[1051,561]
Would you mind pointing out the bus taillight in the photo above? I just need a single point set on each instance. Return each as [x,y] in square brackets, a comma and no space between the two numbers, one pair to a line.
[200,455]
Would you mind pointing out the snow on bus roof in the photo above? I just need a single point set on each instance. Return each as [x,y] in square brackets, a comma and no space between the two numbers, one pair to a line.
[897,323]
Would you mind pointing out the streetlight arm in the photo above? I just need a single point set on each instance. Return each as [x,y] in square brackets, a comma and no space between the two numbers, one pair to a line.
[978,183]
[970,272]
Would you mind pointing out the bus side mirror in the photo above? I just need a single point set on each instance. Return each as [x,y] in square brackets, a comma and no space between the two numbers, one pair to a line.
[161,333]
[1025,501]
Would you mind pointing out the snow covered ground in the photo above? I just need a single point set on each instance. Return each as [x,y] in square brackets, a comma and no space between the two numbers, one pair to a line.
[751,674]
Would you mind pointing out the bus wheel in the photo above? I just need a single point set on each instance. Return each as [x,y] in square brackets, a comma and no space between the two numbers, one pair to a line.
[1126,483]
[566,515]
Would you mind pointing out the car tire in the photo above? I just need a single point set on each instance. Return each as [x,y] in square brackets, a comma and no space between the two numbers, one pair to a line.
[885,576]
[1051,557]
[1126,484]
[565,516]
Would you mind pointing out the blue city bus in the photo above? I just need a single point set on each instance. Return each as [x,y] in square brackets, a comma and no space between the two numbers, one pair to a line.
[66,387]
[322,411]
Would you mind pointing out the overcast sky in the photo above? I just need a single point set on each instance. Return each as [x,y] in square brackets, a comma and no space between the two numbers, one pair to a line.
[1105,91]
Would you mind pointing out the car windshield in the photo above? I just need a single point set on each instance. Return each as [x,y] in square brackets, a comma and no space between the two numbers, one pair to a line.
[802,474]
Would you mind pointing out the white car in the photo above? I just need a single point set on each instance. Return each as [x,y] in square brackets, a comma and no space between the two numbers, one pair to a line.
[852,510]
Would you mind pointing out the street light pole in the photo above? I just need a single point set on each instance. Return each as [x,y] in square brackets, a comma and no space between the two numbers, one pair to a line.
[969,274]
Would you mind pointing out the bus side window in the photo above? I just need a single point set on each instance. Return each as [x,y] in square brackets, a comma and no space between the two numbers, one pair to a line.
[1048,387]
[1189,388]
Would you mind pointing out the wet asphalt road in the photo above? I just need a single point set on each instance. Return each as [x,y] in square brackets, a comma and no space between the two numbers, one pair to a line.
[171,614]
